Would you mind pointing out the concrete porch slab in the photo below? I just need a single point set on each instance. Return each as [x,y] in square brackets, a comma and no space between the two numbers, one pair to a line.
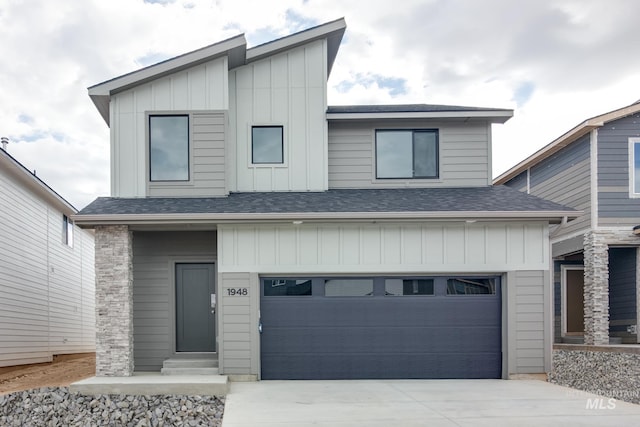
[153,383]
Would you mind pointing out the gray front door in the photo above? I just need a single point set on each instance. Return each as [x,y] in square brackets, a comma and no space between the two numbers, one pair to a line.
[195,316]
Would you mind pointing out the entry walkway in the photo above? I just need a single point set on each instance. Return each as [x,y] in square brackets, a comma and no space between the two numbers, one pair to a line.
[407,403]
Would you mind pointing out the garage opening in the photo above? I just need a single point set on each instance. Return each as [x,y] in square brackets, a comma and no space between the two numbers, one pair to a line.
[380,327]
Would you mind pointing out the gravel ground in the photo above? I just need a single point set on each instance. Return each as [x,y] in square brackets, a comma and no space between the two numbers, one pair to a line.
[57,407]
[610,374]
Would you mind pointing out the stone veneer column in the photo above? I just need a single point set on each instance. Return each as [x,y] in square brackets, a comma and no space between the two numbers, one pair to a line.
[114,301]
[596,289]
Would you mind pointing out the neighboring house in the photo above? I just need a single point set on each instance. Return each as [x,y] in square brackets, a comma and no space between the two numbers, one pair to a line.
[251,223]
[594,167]
[47,277]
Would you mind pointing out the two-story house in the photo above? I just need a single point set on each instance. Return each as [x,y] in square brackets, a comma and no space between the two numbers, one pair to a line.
[252,223]
[47,278]
[594,167]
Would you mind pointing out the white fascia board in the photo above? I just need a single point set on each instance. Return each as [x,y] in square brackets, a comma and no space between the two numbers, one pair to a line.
[331,29]
[468,216]
[100,94]
[495,116]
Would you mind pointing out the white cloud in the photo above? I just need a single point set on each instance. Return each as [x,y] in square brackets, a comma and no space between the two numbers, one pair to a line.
[556,62]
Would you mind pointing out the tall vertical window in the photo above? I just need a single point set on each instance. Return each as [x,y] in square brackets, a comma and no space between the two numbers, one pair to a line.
[406,154]
[267,144]
[67,231]
[169,148]
[634,167]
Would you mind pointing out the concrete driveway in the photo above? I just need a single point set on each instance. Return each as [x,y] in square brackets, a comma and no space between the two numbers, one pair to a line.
[405,403]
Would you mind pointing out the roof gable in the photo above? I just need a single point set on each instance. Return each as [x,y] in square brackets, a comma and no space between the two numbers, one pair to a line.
[234,48]
[16,169]
[566,139]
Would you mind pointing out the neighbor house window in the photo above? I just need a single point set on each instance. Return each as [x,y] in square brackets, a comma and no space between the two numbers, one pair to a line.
[267,144]
[169,148]
[634,166]
[67,231]
[406,154]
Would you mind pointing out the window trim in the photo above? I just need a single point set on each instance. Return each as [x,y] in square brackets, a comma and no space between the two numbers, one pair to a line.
[163,183]
[632,167]
[254,164]
[413,131]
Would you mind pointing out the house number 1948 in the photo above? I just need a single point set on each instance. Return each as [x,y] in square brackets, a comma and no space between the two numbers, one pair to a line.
[237,292]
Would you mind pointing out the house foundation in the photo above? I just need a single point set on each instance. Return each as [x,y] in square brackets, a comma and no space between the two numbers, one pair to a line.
[114,301]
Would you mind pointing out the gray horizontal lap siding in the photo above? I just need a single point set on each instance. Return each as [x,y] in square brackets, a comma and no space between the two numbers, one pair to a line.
[463,147]
[614,203]
[208,134]
[519,182]
[565,178]
[153,255]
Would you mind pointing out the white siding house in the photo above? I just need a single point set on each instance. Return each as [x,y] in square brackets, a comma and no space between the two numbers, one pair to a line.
[47,278]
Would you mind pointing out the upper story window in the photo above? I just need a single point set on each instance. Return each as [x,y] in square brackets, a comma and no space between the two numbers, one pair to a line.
[67,231]
[267,145]
[169,148]
[634,167]
[407,153]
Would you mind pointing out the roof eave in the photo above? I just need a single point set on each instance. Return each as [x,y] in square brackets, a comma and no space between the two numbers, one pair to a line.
[234,48]
[35,184]
[494,116]
[90,220]
[332,31]
[567,138]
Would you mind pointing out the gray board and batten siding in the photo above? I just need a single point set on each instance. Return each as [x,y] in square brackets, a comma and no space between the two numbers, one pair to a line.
[615,207]
[463,153]
[155,256]
[563,178]
[207,139]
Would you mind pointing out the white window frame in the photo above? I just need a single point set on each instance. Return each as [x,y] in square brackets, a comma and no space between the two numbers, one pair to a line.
[632,168]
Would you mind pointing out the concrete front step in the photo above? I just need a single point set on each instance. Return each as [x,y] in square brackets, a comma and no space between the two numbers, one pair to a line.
[190,363]
[154,384]
[189,371]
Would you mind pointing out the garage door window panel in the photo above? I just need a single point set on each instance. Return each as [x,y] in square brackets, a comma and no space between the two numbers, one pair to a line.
[408,287]
[348,287]
[470,286]
[287,287]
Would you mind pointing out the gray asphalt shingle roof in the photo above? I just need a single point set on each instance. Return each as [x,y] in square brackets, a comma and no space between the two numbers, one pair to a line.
[405,108]
[476,199]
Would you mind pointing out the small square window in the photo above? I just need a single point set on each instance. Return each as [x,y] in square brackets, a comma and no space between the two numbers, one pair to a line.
[267,145]
[406,154]
[169,148]
[67,231]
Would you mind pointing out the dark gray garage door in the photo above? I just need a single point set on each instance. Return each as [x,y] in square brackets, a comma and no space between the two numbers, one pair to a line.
[336,328]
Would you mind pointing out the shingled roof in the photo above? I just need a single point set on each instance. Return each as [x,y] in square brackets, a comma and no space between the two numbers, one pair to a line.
[477,202]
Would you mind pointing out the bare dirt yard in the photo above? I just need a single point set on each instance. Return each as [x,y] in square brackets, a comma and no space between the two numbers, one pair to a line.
[64,370]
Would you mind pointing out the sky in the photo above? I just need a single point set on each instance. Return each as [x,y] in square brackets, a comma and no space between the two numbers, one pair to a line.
[556,63]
